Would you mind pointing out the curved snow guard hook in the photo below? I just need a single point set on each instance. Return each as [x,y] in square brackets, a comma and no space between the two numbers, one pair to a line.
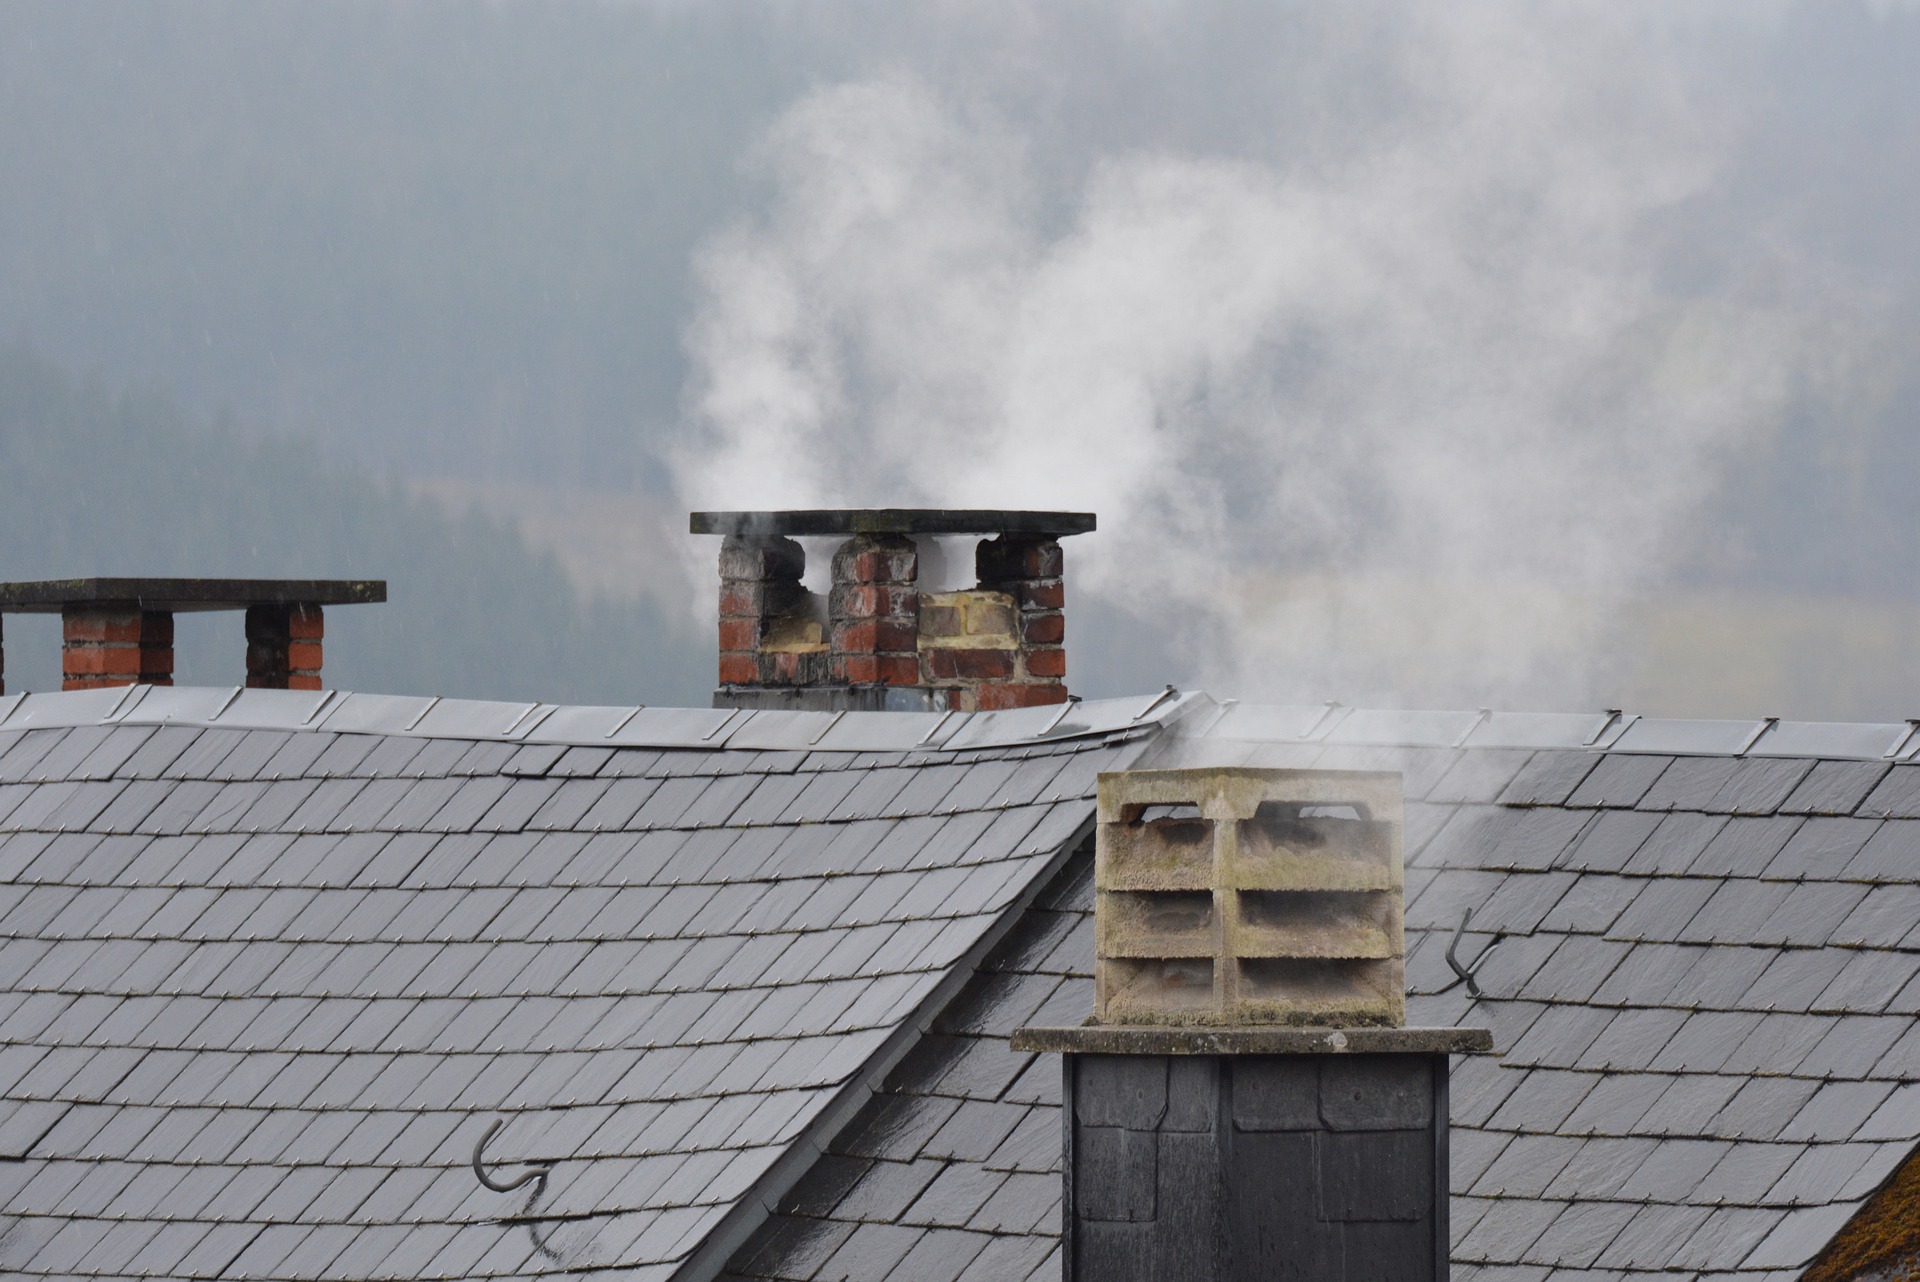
[537,1171]
[1453,957]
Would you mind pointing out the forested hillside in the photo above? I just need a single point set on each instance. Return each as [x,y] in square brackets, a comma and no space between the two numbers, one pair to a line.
[99,481]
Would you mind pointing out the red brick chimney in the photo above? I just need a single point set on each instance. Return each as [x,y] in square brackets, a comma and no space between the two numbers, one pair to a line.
[877,641]
[119,632]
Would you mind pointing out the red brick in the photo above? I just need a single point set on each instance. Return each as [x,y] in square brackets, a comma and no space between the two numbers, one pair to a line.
[101,660]
[739,599]
[992,698]
[156,662]
[738,670]
[306,623]
[876,558]
[1013,556]
[739,634]
[95,626]
[1043,594]
[875,669]
[873,601]
[856,669]
[875,636]
[1049,661]
[945,663]
[303,681]
[1049,628]
[303,656]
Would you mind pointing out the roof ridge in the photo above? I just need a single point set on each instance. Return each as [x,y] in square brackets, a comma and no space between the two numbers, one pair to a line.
[629,726]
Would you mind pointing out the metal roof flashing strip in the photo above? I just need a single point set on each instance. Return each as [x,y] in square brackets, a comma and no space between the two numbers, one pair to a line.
[1187,715]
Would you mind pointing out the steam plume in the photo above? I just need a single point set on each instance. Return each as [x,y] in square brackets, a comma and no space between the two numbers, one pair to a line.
[1404,414]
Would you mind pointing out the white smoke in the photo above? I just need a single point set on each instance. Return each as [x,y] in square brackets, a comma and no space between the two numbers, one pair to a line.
[1405,415]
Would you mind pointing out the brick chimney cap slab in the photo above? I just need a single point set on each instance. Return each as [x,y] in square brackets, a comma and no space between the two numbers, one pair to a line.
[1153,1039]
[51,596]
[892,520]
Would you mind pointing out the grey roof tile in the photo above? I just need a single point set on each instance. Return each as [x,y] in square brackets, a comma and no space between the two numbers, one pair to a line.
[1794,979]
[1896,796]
[1620,779]
[1654,1236]
[1673,1169]
[1611,840]
[1744,848]
[1837,1111]
[1763,1107]
[1663,908]
[1549,778]
[1834,788]
[1688,783]
[1885,917]
[1676,843]
[1874,982]
[1821,848]
[1761,787]
[1892,853]
[156,753]
[1541,1103]
[1688,1098]
[1820,1173]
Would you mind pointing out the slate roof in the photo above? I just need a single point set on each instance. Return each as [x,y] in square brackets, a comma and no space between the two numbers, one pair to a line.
[272,964]
[273,960]
[952,1174]
[1702,998]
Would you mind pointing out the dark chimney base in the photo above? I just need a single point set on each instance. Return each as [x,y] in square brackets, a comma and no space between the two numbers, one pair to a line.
[1230,1168]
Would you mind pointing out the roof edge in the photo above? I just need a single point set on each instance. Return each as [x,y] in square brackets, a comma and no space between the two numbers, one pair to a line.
[758,1204]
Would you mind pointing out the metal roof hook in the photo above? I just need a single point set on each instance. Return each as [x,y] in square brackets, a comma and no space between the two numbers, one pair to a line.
[1453,956]
[536,1171]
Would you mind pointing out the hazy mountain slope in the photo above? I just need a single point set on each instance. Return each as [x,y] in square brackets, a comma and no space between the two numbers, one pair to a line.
[99,482]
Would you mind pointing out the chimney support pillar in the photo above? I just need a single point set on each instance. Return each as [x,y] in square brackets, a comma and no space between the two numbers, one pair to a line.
[1029,569]
[115,645]
[769,635]
[874,610]
[284,646]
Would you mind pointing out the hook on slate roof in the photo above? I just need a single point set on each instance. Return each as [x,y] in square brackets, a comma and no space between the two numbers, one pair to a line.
[1453,956]
[536,1171]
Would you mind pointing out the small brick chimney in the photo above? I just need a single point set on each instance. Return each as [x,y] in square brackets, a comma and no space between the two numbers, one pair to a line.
[877,641]
[1246,1101]
[119,632]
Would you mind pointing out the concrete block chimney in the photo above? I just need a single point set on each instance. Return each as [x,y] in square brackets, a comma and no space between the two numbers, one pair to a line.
[118,632]
[1238,896]
[1246,1102]
[877,640]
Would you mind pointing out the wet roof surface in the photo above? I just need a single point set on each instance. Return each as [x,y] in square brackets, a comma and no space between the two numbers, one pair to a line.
[266,987]
[1703,1002]
[267,984]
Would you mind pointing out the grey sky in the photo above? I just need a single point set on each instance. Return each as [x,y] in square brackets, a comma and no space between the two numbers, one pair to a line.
[475,241]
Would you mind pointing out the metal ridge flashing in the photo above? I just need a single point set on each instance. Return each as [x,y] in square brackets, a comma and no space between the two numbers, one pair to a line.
[1186,715]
